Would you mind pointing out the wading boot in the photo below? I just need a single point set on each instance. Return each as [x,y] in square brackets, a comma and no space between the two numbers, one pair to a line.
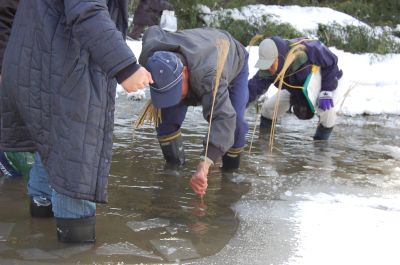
[40,207]
[265,126]
[231,160]
[172,148]
[76,230]
[322,133]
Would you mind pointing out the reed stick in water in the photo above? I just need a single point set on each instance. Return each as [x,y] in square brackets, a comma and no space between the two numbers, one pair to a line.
[222,51]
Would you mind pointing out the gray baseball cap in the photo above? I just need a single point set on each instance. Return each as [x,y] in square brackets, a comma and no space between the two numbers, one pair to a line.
[267,53]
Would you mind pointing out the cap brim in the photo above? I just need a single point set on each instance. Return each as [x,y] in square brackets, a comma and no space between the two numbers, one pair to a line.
[263,64]
[167,99]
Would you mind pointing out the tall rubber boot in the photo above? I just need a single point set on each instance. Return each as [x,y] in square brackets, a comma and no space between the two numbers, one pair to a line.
[322,133]
[40,207]
[231,160]
[172,148]
[76,230]
[265,126]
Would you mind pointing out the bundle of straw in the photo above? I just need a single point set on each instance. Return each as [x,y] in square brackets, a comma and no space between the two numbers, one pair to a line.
[148,113]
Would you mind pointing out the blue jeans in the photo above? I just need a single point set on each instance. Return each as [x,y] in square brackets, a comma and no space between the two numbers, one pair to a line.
[239,96]
[63,206]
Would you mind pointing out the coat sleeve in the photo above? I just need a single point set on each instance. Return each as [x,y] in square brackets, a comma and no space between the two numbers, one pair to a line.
[92,26]
[8,8]
[223,122]
[258,86]
[320,55]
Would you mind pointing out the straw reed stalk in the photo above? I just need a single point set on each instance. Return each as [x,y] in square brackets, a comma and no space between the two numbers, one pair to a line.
[148,113]
[290,57]
[222,46]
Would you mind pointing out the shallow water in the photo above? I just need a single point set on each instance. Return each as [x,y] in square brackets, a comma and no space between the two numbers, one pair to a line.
[305,203]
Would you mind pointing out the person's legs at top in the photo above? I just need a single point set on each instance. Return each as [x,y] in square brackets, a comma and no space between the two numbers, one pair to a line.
[239,96]
[169,134]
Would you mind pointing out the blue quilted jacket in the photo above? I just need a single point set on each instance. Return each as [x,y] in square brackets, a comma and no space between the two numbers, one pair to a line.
[58,88]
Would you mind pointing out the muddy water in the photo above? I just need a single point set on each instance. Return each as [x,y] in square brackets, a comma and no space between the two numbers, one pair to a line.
[254,216]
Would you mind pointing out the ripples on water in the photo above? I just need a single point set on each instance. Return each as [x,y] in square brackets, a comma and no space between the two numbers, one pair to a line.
[153,216]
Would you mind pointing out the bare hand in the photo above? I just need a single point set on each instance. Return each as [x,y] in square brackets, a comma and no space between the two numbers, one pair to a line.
[138,80]
[198,182]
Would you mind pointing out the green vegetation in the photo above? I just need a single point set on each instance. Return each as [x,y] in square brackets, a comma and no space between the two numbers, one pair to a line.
[244,31]
[357,39]
[349,38]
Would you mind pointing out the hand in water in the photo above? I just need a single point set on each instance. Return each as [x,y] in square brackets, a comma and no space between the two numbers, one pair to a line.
[198,182]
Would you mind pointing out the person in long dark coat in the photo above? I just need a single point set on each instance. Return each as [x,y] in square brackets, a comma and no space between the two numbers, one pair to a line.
[7,12]
[59,74]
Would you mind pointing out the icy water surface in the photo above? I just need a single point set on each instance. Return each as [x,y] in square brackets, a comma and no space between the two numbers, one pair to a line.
[304,203]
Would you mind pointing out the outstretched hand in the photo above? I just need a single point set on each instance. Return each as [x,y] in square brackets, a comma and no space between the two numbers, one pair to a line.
[138,80]
[199,182]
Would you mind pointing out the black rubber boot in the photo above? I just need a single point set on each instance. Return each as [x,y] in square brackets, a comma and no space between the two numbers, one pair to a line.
[76,230]
[41,208]
[265,126]
[322,133]
[265,123]
[172,148]
[231,160]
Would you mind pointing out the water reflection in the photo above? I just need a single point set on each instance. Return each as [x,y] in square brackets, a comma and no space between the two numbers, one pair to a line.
[259,215]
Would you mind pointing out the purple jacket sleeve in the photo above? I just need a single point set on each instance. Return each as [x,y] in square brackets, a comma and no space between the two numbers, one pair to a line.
[258,86]
[320,55]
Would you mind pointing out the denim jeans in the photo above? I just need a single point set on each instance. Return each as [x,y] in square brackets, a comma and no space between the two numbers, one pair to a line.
[63,206]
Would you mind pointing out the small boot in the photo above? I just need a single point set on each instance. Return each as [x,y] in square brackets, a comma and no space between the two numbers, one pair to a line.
[76,230]
[172,148]
[40,207]
[322,133]
[231,160]
[265,126]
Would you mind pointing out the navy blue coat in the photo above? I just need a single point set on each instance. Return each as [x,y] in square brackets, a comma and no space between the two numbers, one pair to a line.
[316,53]
[58,89]
[7,13]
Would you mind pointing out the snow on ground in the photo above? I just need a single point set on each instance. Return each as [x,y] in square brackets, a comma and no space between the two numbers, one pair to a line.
[370,84]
